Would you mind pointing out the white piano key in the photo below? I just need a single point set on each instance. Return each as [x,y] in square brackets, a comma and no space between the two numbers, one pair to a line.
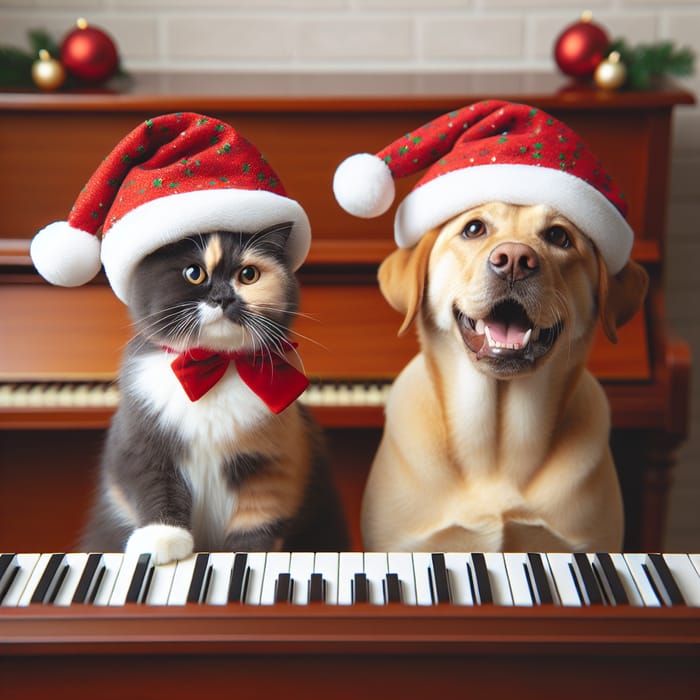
[182,577]
[695,559]
[401,564]
[161,584]
[112,561]
[563,579]
[256,568]
[328,565]
[76,563]
[625,575]
[301,566]
[27,564]
[123,580]
[635,562]
[421,566]
[376,568]
[460,586]
[221,564]
[276,563]
[685,576]
[515,567]
[33,582]
[349,564]
[499,578]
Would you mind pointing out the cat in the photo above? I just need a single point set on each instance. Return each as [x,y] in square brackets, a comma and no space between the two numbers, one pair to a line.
[220,472]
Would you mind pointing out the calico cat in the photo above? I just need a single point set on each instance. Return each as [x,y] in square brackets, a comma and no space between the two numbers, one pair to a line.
[182,472]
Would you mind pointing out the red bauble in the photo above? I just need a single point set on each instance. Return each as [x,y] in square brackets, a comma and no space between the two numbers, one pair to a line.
[581,47]
[89,54]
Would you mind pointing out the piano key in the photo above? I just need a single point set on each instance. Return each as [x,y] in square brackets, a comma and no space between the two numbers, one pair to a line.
[360,588]
[439,578]
[26,564]
[276,563]
[328,564]
[610,579]
[141,579]
[686,576]
[392,589]
[182,580]
[401,563]
[695,559]
[540,581]
[316,589]
[349,564]
[51,579]
[200,578]
[238,584]
[256,572]
[483,594]
[421,573]
[585,577]
[9,568]
[124,578]
[661,576]
[75,563]
[221,566]
[635,563]
[34,579]
[564,579]
[456,584]
[498,575]
[283,588]
[112,563]
[375,568]
[162,577]
[301,567]
[516,567]
[90,579]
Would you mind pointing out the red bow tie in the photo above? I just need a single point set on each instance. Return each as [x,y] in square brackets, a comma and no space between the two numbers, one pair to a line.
[269,376]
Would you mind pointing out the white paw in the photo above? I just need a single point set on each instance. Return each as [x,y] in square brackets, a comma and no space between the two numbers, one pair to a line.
[164,543]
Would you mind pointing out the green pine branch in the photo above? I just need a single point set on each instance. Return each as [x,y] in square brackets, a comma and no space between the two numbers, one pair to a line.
[646,62]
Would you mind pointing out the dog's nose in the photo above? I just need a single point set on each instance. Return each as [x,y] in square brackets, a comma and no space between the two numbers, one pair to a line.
[513,261]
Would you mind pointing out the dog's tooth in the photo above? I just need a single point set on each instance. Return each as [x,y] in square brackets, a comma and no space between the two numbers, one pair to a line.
[487,333]
[480,325]
[526,338]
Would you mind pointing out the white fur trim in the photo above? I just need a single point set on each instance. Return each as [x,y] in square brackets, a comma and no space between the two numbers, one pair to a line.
[444,197]
[65,255]
[174,217]
[364,186]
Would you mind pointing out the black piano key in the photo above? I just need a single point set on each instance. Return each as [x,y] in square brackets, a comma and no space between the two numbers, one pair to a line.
[610,580]
[284,587]
[317,589]
[439,580]
[143,573]
[9,568]
[663,580]
[360,588]
[90,579]
[542,594]
[482,588]
[197,590]
[51,580]
[239,578]
[392,589]
[585,578]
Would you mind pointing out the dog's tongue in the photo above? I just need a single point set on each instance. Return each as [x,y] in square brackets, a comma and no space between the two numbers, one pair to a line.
[508,333]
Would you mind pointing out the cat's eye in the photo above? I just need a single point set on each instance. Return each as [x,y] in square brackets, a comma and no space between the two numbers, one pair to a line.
[194,274]
[557,236]
[249,274]
[474,229]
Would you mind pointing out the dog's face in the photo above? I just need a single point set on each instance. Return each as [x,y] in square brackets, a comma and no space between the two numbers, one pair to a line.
[514,285]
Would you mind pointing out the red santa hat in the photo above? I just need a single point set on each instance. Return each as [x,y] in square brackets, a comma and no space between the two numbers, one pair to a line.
[173,176]
[491,150]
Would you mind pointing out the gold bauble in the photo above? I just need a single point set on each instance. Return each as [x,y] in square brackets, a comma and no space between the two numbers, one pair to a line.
[47,72]
[611,72]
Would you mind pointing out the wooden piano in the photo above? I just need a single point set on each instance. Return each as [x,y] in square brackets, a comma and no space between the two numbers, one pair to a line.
[59,351]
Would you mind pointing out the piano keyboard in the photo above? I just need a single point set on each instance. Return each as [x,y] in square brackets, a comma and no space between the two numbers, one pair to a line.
[348,578]
[105,395]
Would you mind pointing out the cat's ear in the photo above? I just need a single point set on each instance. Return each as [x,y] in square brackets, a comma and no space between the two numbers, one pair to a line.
[275,237]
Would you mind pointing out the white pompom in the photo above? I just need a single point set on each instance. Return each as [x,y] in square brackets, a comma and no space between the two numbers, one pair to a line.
[64,255]
[364,185]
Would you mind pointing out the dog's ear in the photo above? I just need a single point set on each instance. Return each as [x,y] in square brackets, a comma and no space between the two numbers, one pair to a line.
[620,295]
[402,278]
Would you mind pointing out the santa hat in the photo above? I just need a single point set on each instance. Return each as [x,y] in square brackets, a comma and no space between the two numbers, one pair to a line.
[173,176]
[491,150]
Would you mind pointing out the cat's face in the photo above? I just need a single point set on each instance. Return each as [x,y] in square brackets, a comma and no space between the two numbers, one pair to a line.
[220,291]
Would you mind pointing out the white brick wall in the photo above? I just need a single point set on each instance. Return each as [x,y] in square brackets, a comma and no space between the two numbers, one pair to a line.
[416,35]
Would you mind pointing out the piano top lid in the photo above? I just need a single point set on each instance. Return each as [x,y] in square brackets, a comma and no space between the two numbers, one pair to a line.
[334,92]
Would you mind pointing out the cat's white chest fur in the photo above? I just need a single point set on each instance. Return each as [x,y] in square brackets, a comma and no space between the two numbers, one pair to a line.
[208,428]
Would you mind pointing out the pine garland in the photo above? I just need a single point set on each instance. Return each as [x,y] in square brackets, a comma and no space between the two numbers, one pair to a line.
[647,62]
[16,64]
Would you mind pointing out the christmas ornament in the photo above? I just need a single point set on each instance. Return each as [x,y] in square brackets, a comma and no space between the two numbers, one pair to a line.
[89,53]
[611,73]
[47,72]
[581,47]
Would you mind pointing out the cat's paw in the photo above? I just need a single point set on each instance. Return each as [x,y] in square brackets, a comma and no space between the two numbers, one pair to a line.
[164,543]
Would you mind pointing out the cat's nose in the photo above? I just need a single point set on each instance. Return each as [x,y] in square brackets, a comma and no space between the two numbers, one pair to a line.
[223,297]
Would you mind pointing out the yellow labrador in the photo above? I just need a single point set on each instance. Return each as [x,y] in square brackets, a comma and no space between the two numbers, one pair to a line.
[496,435]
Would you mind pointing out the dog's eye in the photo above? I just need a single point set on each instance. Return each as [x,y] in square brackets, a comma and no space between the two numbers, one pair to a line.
[194,274]
[474,229]
[557,236]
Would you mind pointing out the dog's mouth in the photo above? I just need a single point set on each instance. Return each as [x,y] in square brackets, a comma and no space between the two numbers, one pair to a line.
[507,333]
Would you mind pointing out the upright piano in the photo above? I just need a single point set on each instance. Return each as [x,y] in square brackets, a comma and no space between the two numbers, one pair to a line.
[60,348]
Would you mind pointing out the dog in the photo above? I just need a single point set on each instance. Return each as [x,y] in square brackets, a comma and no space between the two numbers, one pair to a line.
[496,434]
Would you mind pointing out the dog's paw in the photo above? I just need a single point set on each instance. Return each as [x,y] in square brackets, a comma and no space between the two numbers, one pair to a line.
[165,543]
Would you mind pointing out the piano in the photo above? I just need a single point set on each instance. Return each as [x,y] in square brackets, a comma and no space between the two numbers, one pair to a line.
[349,623]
